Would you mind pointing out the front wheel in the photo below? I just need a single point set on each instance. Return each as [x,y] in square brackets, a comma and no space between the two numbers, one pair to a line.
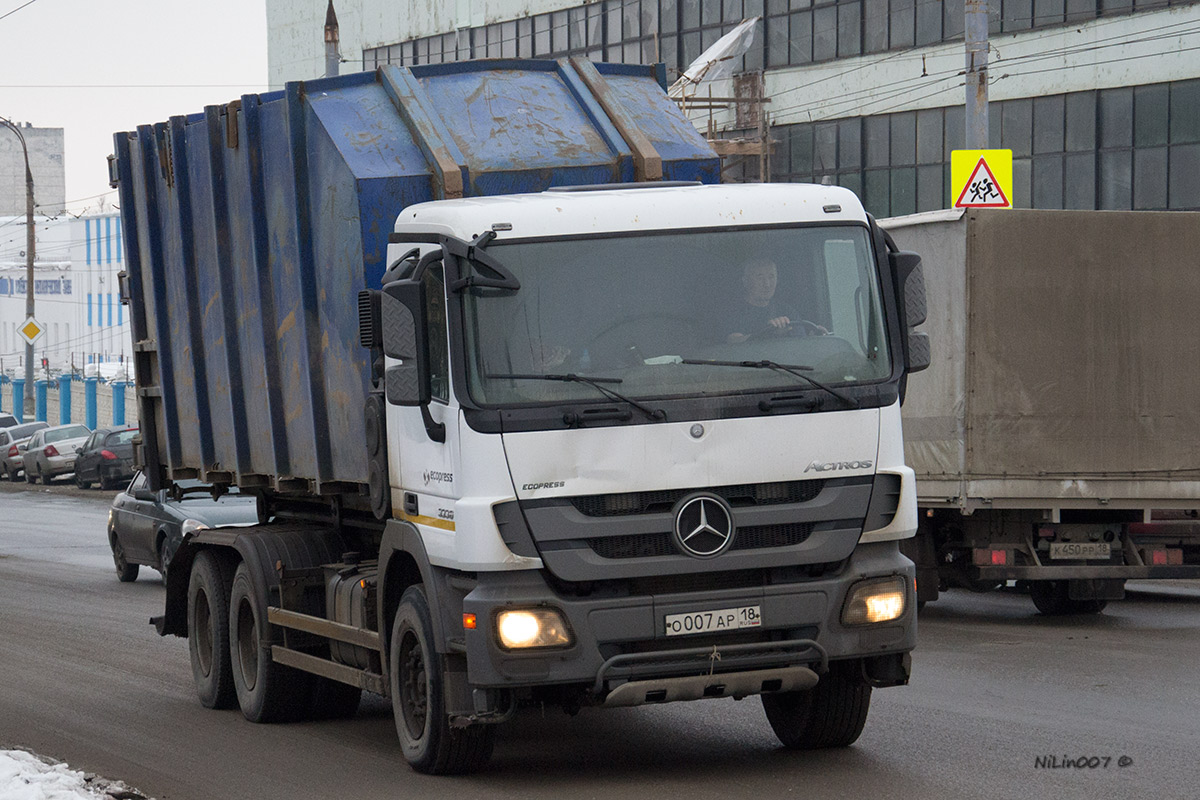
[831,714]
[126,572]
[417,685]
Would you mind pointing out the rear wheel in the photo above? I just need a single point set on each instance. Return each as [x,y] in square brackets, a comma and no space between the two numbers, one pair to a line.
[126,572]
[417,685]
[12,476]
[30,477]
[80,482]
[208,630]
[831,714]
[105,483]
[1053,598]
[266,691]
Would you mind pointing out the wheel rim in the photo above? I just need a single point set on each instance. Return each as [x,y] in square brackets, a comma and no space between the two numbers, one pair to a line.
[164,560]
[202,630]
[247,644]
[414,689]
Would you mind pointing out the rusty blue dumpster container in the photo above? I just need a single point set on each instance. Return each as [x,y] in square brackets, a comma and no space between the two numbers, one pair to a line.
[251,227]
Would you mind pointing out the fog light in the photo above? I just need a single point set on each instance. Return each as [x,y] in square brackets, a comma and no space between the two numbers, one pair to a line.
[875,601]
[531,627]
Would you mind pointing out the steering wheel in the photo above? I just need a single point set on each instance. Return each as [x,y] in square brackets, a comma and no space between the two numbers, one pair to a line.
[801,327]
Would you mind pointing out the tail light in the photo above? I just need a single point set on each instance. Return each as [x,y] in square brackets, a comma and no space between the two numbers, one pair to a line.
[13,452]
[108,455]
[51,451]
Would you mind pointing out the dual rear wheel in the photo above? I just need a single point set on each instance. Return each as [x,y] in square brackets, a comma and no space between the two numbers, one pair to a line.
[229,641]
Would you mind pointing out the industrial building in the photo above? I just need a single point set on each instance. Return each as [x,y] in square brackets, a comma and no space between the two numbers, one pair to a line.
[46,163]
[76,298]
[1099,100]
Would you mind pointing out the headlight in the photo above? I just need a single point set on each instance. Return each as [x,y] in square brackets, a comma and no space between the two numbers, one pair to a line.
[875,601]
[191,526]
[532,627]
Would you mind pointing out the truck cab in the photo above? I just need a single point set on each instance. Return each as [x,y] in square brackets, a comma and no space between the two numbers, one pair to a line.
[631,431]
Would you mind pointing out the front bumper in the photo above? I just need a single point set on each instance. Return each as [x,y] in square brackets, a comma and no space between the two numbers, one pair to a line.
[620,639]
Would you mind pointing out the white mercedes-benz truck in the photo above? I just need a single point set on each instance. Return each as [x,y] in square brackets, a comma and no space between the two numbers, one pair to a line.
[617,445]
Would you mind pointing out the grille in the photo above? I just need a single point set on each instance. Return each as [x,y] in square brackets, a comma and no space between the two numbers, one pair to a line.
[738,495]
[760,536]
[645,545]
[654,545]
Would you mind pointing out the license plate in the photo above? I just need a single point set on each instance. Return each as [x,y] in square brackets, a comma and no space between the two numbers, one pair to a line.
[1080,550]
[724,619]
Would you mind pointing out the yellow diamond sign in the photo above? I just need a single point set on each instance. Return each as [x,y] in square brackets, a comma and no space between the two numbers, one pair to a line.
[31,330]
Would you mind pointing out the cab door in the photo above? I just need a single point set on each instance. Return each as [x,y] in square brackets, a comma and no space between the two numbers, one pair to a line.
[424,483]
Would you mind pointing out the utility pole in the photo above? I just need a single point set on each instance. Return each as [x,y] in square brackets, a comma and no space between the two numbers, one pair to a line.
[975,19]
[29,255]
[332,38]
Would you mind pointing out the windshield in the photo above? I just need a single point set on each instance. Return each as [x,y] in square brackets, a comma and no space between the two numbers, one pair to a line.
[62,434]
[632,310]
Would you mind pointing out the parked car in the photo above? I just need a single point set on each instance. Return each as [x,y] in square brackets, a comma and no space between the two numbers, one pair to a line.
[51,452]
[106,457]
[7,421]
[12,447]
[146,527]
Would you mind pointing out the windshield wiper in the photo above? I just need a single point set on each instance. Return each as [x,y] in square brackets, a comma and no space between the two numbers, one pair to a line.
[790,369]
[595,383]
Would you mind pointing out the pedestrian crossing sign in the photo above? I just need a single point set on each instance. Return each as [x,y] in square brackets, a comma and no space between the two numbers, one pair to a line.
[981,178]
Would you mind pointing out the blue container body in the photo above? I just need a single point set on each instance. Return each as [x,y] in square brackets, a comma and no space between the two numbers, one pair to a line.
[251,228]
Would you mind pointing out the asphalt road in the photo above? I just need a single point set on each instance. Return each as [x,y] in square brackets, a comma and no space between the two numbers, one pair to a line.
[996,687]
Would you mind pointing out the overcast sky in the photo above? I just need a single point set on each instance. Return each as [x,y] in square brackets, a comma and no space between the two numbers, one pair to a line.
[93,67]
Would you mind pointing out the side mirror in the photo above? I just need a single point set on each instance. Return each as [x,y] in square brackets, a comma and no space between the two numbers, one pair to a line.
[78,450]
[910,279]
[144,494]
[403,338]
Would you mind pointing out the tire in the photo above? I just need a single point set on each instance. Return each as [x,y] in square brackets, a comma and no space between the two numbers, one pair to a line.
[126,572]
[1053,599]
[266,691]
[81,483]
[417,687]
[106,484]
[831,714]
[12,476]
[30,478]
[208,630]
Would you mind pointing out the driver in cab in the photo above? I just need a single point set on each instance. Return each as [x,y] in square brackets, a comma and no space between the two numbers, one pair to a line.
[759,312]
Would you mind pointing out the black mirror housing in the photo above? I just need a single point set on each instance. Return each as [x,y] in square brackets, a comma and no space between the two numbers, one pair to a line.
[403,328]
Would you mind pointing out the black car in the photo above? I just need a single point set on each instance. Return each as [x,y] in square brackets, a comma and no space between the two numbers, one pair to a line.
[146,527]
[106,457]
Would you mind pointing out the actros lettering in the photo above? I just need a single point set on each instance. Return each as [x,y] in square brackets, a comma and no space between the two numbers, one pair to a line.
[830,466]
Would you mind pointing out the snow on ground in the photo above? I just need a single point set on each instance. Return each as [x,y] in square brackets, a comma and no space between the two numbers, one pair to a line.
[24,776]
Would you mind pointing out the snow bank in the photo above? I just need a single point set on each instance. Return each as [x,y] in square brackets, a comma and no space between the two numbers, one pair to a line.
[24,776]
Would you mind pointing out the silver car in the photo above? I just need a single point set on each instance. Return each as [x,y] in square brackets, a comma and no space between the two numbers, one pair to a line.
[12,447]
[51,451]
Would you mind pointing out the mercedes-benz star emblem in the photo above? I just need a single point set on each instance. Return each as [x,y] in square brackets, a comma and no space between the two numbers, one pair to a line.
[703,526]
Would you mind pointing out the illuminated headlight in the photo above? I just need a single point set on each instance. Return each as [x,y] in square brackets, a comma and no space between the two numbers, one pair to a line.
[875,601]
[191,526]
[532,627]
